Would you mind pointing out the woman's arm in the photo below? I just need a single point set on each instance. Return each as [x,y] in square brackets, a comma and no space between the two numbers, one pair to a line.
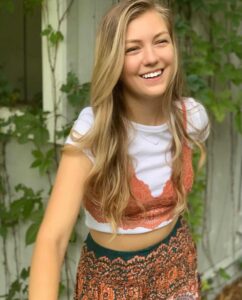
[55,230]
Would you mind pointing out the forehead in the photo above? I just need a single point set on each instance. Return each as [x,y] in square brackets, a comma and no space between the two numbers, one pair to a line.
[148,24]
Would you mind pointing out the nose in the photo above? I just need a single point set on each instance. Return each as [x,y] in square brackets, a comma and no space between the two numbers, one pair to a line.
[150,56]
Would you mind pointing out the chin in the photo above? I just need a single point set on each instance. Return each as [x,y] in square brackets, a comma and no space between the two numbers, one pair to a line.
[155,94]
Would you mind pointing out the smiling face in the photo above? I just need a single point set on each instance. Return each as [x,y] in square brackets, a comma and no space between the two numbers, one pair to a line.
[149,58]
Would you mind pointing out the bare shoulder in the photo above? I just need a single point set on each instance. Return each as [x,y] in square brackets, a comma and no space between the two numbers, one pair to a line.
[73,168]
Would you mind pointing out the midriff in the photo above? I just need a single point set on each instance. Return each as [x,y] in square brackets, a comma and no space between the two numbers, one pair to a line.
[132,242]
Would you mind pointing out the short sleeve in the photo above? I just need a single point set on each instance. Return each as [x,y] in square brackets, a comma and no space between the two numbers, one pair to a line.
[197,120]
[80,127]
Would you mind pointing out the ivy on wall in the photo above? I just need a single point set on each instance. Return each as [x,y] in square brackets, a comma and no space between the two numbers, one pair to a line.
[210,38]
[211,52]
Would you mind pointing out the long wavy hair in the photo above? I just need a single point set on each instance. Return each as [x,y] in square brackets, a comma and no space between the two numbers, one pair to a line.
[108,184]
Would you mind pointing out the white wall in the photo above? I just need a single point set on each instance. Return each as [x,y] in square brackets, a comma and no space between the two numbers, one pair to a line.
[221,245]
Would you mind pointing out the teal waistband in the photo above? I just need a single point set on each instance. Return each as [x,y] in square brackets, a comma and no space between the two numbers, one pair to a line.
[126,255]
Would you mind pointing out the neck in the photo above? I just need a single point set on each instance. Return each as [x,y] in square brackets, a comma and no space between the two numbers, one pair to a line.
[145,111]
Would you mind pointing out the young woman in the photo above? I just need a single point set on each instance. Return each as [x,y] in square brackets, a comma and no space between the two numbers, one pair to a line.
[128,162]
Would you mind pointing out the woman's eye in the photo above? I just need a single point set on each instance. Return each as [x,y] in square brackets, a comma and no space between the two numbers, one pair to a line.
[132,49]
[161,42]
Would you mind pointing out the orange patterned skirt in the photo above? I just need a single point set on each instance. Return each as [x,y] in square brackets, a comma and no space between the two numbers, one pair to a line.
[165,271]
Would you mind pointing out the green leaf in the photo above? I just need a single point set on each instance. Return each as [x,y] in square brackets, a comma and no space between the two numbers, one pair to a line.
[62,289]
[31,127]
[65,131]
[14,288]
[239,262]
[77,94]
[73,237]
[56,37]
[43,160]
[238,120]
[182,26]
[195,82]
[36,164]
[28,208]
[37,154]
[218,112]
[47,31]
[223,274]
[25,273]
[37,215]
[31,234]
[3,231]
[206,285]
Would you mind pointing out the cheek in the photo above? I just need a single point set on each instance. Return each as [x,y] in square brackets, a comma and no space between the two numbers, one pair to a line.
[169,55]
[172,63]
[131,66]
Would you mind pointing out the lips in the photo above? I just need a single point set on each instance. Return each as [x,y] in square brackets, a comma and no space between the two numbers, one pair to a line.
[152,74]
[152,71]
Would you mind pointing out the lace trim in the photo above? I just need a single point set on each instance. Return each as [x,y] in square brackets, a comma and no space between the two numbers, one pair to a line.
[157,209]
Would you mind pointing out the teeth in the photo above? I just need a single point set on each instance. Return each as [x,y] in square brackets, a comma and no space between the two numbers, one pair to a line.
[152,75]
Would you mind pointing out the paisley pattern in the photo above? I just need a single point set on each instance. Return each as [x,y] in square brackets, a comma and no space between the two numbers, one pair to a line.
[168,272]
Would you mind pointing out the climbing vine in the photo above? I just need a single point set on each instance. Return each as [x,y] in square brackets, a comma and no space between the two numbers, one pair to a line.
[211,60]
[209,33]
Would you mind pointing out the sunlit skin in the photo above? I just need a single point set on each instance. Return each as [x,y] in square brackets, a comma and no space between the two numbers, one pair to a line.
[148,49]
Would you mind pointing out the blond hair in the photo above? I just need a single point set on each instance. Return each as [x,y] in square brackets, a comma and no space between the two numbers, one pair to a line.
[109,182]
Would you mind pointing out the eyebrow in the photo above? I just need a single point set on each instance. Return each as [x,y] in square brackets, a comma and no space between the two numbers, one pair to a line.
[138,41]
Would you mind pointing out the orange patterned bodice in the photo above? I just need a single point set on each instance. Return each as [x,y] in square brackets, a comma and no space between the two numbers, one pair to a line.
[157,209]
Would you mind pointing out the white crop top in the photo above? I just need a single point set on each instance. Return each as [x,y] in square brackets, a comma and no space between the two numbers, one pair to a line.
[150,148]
